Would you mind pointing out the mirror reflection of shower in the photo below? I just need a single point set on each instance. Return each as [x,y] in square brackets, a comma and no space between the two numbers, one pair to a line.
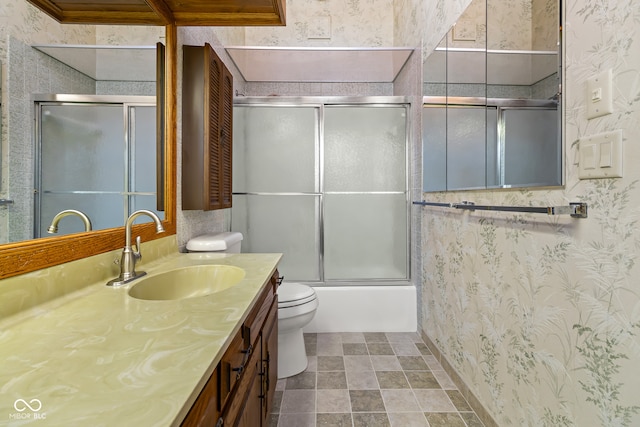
[96,155]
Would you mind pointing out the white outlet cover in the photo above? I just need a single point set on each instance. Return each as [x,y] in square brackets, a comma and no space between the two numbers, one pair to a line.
[601,156]
[600,95]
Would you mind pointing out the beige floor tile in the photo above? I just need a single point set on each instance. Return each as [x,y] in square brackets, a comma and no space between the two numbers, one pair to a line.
[333,401]
[296,401]
[399,401]
[357,363]
[407,419]
[385,363]
[434,401]
[362,380]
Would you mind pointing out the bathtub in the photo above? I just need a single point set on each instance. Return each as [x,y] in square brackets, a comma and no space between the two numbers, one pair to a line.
[365,309]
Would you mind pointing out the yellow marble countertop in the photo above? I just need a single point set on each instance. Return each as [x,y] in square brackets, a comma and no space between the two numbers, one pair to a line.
[98,357]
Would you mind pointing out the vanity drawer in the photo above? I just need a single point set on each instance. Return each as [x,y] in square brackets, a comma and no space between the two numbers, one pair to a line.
[255,320]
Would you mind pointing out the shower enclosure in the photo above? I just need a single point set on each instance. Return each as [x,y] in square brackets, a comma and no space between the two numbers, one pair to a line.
[324,181]
[96,154]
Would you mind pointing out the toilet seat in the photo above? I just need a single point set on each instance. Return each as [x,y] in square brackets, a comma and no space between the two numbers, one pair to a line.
[294,294]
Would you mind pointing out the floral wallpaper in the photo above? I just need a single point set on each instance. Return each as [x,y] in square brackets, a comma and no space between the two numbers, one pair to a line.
[540,315]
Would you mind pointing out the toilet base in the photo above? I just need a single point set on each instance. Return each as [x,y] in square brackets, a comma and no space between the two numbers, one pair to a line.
[292,354]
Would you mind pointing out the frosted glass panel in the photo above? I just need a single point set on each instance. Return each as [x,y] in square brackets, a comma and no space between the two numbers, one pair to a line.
[286,224]
[532,152]
[364,148]
[493,167]
[82,148]
[466,147]
[143,161]
[104,210]
[365,236]
[434,148]
[85,163]
[271,145]
[144,201]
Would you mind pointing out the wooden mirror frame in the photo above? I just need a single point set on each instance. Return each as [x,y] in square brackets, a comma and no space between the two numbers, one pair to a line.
[32,255]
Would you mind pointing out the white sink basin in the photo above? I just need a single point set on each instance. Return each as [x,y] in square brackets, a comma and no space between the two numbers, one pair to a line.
[187,282]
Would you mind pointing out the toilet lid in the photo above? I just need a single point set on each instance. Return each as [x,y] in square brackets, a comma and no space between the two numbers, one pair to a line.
[214,242]
[294,293]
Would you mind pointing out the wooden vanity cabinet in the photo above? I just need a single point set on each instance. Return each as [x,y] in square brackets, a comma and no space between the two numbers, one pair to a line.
[240,391]
[207,124]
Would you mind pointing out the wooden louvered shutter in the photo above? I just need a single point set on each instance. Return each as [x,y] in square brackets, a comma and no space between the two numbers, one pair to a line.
[226,141]
[207,130]
[213,115]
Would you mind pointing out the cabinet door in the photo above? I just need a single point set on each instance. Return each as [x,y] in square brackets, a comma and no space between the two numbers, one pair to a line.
[270,359]
[218,111]
[245,406]
[251,413]
[204,411]
[207,110]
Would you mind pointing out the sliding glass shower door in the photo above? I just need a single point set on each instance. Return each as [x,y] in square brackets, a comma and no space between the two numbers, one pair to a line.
[365,192]
[276,200]
[96,157]
[326,185]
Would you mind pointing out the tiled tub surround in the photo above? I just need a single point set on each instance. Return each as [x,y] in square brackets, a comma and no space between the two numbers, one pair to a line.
[370,379]
[99,357]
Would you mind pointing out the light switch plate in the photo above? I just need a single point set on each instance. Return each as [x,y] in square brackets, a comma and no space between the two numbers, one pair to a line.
[600,95]
[601,156]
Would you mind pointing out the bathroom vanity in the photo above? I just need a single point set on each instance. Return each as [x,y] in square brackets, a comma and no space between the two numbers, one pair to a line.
[240,390]
[100,356]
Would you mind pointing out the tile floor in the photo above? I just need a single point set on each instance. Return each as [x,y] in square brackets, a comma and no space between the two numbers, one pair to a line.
[370,379]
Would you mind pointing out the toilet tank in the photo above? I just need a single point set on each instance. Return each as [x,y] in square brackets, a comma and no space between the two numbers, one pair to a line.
[229,241]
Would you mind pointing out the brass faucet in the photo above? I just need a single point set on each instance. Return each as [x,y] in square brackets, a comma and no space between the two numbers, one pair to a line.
[53,228]
[129,256]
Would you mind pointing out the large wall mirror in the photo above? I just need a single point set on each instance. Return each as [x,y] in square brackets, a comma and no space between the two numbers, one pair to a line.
[491,109]
[84,127]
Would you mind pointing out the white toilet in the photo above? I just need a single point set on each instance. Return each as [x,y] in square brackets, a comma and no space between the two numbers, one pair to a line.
[297,304]
[229,241]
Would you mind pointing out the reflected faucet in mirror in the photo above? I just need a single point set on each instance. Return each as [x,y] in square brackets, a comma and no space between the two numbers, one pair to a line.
[53,228]
[129,256]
